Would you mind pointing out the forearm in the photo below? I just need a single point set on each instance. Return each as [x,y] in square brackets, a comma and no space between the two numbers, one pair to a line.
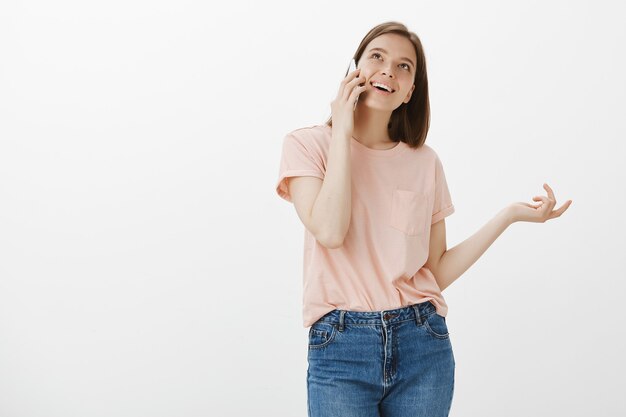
[333,205]
[455,261]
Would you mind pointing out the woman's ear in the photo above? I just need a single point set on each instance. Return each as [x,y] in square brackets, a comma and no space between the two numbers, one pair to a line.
[408,96]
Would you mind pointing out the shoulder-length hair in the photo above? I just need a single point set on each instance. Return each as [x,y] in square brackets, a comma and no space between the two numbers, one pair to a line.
[408,123]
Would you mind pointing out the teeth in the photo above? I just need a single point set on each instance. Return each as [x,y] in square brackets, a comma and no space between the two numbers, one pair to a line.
[375,84]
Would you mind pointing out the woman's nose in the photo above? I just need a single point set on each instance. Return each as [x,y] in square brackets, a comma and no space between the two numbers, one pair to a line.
[388,71]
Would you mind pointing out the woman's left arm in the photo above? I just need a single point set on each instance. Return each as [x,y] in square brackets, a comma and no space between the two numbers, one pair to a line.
[455,261]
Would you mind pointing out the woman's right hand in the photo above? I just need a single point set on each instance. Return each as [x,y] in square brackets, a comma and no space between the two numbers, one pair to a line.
[343,105]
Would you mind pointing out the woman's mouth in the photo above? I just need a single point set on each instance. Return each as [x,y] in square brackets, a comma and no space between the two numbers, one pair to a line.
[380,90]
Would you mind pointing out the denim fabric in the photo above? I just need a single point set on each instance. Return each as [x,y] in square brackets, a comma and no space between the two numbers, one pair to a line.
[392,363]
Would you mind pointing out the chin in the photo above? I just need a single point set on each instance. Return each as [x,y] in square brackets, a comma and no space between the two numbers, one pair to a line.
[380,107]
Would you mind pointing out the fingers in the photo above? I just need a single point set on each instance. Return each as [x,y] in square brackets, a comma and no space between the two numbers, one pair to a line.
[351,76]
[545,206]
[530,205]
[550,200]
[348,79]
[561,210]
[549,190]
[551,195]
[355,93]
[351,87]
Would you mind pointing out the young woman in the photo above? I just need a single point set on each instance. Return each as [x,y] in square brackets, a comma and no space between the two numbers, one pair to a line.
[373,197]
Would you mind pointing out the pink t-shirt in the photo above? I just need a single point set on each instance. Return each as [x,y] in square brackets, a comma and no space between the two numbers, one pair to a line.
[396,195]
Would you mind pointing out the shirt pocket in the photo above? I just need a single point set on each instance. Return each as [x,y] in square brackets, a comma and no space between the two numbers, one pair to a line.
[409,211]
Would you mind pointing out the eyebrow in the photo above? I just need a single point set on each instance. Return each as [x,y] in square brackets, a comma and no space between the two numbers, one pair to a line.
[383,51]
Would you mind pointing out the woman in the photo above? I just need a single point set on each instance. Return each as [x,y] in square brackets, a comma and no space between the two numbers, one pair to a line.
[373,197]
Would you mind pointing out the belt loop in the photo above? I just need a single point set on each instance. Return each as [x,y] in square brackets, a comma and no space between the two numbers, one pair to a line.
[418,318]
[341,314]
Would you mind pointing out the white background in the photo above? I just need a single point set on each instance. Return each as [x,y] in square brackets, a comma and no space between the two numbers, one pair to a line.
[148,268]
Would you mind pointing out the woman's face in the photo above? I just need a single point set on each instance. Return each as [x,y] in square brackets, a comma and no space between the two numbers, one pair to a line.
[388,59]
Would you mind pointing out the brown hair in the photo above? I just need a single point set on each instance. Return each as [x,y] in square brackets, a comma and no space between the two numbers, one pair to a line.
[408,123]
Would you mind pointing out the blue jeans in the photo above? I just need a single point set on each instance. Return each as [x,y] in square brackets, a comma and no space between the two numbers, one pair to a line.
[391,363]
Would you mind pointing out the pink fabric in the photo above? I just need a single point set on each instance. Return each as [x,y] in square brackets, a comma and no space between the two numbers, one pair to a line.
[397,194]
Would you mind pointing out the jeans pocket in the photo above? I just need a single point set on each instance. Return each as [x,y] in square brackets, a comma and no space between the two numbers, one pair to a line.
[321,335]
[436,326]
[409,212]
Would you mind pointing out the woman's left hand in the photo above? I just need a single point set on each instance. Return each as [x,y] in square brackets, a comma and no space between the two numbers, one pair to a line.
[540,212]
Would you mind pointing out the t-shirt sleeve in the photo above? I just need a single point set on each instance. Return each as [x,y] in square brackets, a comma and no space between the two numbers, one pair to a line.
[443,206]
[300,158]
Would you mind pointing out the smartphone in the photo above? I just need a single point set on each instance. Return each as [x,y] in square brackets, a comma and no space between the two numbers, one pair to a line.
[351,68]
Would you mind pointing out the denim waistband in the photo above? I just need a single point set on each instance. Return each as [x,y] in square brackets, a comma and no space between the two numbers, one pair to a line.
[382,318]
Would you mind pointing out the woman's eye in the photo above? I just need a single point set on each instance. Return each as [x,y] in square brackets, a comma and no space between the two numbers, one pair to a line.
[407,67]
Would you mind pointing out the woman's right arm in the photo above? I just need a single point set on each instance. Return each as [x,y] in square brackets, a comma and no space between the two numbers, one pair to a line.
[324,206]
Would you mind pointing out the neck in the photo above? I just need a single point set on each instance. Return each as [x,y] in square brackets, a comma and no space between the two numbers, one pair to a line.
[370,126]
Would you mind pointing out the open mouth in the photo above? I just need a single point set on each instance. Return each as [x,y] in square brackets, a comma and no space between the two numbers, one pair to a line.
[381,88]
